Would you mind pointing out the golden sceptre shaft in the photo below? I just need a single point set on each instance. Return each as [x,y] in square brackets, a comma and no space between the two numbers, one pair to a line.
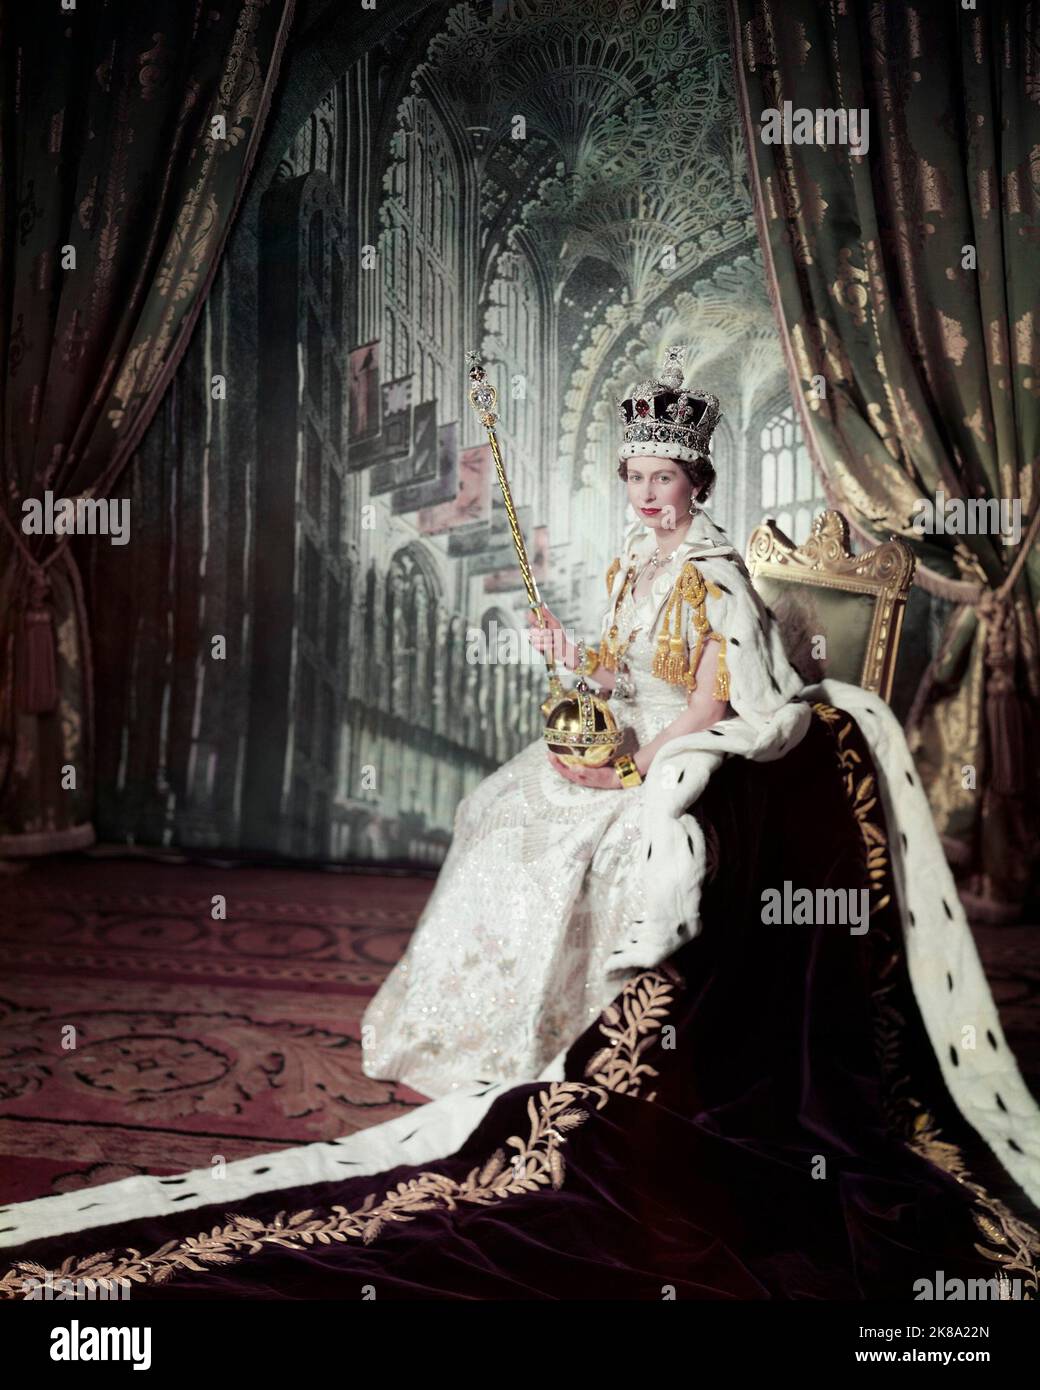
[483,397]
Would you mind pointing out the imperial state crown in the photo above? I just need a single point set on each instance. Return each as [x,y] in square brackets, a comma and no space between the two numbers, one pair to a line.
[663,419]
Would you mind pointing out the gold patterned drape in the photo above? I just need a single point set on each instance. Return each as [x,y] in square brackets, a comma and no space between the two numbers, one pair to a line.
[904,274]
[127,135]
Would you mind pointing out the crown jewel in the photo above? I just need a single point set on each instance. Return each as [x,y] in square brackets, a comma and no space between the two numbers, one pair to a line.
[661,418]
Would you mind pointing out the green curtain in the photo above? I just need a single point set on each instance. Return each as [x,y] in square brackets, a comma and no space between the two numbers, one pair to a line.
[127,133]
[904,277]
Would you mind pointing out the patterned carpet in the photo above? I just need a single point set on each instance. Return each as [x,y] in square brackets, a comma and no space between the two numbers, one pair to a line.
[196,1038]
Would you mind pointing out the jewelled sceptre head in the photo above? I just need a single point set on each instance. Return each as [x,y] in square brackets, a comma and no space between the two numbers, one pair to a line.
[579,725]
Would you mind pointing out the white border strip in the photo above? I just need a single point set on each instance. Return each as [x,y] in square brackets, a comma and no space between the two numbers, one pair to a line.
[431,1131]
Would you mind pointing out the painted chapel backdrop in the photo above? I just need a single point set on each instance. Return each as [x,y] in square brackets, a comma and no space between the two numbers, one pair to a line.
[315,523]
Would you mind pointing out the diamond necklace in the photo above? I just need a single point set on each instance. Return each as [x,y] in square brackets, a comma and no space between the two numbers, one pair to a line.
[657,563]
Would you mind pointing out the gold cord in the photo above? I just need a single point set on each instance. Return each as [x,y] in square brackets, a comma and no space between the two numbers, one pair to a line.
[669,662]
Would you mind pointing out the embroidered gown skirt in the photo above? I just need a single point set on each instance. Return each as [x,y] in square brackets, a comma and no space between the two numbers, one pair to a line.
[509,962]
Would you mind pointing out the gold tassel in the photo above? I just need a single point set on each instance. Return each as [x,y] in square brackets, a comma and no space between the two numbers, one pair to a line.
[677,668]
[664,657]
[695,661]
[669,662]
[608,647]
[721,691]
[660,662]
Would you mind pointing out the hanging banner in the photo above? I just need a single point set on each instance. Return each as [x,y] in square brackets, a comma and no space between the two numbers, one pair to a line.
[472,501]
[364,423]
[431,468]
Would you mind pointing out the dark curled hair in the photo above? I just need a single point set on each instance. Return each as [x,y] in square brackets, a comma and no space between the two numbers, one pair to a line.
[701,473]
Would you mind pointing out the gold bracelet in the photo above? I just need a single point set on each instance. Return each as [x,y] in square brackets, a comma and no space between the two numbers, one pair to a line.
[626,769]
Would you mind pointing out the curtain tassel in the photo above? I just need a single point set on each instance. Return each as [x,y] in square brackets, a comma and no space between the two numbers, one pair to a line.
[39,683]
[1005,715]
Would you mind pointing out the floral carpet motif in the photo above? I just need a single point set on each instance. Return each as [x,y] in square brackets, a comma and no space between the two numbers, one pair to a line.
[143,1032]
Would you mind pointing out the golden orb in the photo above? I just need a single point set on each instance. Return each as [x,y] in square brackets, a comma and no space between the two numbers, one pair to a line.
[580,728]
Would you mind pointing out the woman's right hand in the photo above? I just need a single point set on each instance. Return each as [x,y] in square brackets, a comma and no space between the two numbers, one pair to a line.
[545,638]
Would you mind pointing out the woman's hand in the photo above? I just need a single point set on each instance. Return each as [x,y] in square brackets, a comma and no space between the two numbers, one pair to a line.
[605,777]
[551,637]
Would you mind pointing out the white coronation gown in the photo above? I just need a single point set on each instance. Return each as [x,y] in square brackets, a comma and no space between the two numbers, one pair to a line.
[546,904]
[509,961]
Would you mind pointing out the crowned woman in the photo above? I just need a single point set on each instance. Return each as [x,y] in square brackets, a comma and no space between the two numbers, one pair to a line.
[564,881]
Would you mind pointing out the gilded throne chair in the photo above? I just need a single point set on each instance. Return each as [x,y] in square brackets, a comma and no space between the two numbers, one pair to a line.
[820,589]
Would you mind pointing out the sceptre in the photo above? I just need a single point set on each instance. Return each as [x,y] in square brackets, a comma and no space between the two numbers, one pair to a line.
[579,726]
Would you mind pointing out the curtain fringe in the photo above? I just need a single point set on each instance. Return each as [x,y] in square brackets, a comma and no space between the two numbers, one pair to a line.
[39,693]
[36,668]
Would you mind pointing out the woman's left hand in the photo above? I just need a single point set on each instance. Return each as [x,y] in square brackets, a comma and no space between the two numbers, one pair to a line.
[605,777]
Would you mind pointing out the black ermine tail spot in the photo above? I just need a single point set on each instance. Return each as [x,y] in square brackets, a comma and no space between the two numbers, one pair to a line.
[649,851]
[946,909]
[953,1056]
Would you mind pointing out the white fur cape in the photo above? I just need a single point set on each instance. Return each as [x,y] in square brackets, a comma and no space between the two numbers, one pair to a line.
[772,707]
